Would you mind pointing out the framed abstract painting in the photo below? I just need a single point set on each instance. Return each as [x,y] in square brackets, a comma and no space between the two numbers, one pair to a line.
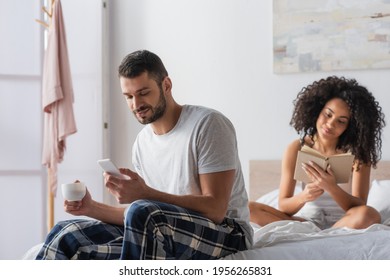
[330,35]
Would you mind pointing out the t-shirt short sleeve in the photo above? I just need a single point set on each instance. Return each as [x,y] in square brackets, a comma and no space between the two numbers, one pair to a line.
[217,147]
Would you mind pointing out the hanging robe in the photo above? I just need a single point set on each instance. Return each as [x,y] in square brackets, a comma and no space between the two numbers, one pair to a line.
[57,97]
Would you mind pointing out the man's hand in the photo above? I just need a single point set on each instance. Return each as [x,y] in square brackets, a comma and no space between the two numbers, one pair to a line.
[126,190]
[79,208]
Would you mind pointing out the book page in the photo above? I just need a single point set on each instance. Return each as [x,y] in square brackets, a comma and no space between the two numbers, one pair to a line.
[312,151]
[341,164]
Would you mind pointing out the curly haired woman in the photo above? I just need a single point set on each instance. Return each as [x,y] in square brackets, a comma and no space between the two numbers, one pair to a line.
[333,116]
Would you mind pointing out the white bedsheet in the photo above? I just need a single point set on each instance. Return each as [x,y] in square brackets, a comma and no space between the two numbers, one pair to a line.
[295,240]
[303,240]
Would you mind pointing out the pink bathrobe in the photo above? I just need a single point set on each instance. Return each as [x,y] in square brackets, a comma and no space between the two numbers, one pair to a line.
[57,97]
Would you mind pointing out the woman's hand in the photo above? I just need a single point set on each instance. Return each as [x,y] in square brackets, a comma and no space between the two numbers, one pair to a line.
[311,192]
[324,179]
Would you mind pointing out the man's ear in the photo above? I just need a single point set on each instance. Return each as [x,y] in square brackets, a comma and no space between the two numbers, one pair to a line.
[167,84]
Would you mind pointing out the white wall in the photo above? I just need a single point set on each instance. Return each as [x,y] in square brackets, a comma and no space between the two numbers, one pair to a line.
[21,174]
[84,147]
[23,185]
[218,54]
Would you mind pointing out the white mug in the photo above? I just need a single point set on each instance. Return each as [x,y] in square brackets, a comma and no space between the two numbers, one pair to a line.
[73,191]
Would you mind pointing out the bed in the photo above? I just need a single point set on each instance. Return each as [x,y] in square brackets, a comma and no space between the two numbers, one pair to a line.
[302,240]
[294,240]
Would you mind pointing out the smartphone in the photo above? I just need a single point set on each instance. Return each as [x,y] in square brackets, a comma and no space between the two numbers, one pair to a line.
[111,168]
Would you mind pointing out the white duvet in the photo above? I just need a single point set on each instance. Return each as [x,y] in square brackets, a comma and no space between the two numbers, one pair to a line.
[294,240]
[304,240]
[282,231]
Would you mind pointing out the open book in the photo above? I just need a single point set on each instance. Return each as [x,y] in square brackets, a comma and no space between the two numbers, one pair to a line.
[341,164]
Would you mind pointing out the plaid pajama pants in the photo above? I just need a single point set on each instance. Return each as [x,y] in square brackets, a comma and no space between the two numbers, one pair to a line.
[152,230]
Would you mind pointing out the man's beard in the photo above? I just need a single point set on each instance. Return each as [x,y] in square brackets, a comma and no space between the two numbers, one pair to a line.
[157,111]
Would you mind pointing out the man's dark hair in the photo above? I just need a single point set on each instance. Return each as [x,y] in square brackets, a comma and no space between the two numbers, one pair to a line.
[138,62]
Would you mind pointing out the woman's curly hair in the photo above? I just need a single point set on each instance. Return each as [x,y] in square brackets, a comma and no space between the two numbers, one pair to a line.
[363,134]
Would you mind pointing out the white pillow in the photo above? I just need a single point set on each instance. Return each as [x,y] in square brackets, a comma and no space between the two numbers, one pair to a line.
[379,198]
[272,197]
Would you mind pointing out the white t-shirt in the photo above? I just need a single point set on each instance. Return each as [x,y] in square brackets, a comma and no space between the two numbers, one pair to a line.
[203,141]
